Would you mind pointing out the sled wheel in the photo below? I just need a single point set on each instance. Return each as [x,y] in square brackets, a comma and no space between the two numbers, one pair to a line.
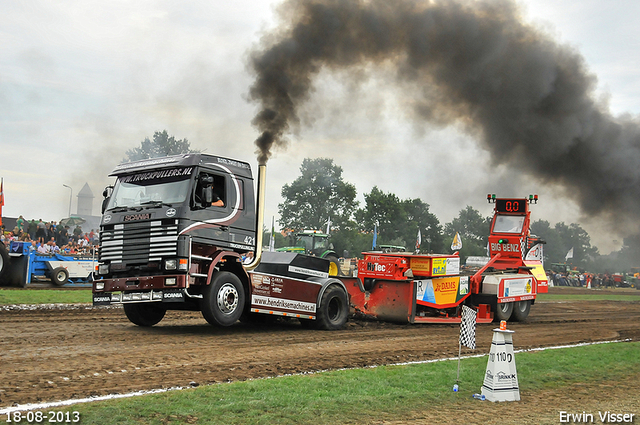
[502,311]
[333,311]
[144,314]
[521,310]
[223,300]
[60,276]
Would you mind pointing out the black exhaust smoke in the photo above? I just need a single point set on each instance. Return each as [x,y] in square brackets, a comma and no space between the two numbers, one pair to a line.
[529,100]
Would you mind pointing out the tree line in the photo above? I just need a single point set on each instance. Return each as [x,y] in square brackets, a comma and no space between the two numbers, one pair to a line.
[320,196]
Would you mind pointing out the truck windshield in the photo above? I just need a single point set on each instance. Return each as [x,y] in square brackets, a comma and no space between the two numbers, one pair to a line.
[149,188]
[508,224]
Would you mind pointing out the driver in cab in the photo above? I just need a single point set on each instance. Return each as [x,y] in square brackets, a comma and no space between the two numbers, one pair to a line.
[217,202]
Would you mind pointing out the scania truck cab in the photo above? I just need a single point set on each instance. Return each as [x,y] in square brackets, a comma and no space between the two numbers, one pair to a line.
[162,237]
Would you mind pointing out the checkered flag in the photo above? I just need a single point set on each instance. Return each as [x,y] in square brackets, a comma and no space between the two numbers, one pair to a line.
[468,327]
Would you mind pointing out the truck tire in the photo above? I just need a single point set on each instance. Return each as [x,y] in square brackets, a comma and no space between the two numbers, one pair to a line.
[334,267]
[144,314]
[223,300]
[502,311]
[333,310]
[4,260]
[60,276]
[521,310]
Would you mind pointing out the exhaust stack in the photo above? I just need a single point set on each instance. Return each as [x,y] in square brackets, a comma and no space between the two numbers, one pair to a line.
[257,255]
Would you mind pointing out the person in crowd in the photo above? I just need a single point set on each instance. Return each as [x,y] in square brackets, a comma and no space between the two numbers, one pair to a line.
[44,248]
[62,235]
[41,231]
[51,230]
[20,223]
[31,228]
[76,233]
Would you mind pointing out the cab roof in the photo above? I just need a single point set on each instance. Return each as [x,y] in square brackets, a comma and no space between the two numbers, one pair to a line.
[184,160]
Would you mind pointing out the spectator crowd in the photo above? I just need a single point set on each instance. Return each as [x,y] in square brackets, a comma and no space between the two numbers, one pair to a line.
[50,237]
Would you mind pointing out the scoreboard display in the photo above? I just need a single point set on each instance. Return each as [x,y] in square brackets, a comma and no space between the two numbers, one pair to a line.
[511,205]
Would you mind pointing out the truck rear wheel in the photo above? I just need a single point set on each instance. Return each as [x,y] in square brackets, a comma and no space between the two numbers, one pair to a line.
[144,314]
[60,276]
[502,311]
[223,300]
[521,310]
[333,311]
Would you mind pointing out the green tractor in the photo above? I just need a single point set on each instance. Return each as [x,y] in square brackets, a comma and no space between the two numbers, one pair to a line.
[313,242]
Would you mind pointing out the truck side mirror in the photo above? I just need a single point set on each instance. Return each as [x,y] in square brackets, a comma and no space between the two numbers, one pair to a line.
[107,196]
[208,196]
[206,190]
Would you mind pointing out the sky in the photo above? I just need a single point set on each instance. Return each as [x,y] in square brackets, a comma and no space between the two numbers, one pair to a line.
[81,82]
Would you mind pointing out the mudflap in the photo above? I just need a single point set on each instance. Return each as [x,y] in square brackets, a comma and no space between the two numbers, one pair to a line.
[388,300]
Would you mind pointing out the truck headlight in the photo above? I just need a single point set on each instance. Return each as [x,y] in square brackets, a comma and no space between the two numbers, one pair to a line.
[99,285]
[170,281]
[170,264]
[103,269]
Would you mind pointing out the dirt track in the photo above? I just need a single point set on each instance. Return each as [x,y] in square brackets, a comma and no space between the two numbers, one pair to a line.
[57,354]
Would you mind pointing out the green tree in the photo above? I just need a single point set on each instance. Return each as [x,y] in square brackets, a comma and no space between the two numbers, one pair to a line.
[473,230]
[319,194]
[350,241]
[385,211]
[161,145]
[560,239]
[418,217]
[398,221]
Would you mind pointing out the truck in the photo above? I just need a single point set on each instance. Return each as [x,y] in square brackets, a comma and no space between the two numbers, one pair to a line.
[315,243]
[181,233]
[164,245]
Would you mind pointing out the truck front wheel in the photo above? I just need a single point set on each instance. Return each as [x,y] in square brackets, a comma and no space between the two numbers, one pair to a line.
[502,311]
[223,300]
[333,311]
[144,314]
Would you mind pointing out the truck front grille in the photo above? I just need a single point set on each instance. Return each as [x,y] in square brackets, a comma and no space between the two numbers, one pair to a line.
[139,242]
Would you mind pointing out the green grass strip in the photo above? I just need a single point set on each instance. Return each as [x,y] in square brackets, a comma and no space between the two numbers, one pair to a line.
[361,395]
[45,296]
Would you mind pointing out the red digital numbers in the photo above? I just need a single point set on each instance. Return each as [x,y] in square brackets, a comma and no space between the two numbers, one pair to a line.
[512,206]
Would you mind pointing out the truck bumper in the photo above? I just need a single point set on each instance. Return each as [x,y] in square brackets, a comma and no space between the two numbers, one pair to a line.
[163,295]
[141,289]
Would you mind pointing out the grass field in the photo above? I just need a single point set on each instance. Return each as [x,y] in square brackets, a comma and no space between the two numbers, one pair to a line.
[363,395]
[44,296]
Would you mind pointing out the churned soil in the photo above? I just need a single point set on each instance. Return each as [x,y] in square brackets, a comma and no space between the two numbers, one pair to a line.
[76,351]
